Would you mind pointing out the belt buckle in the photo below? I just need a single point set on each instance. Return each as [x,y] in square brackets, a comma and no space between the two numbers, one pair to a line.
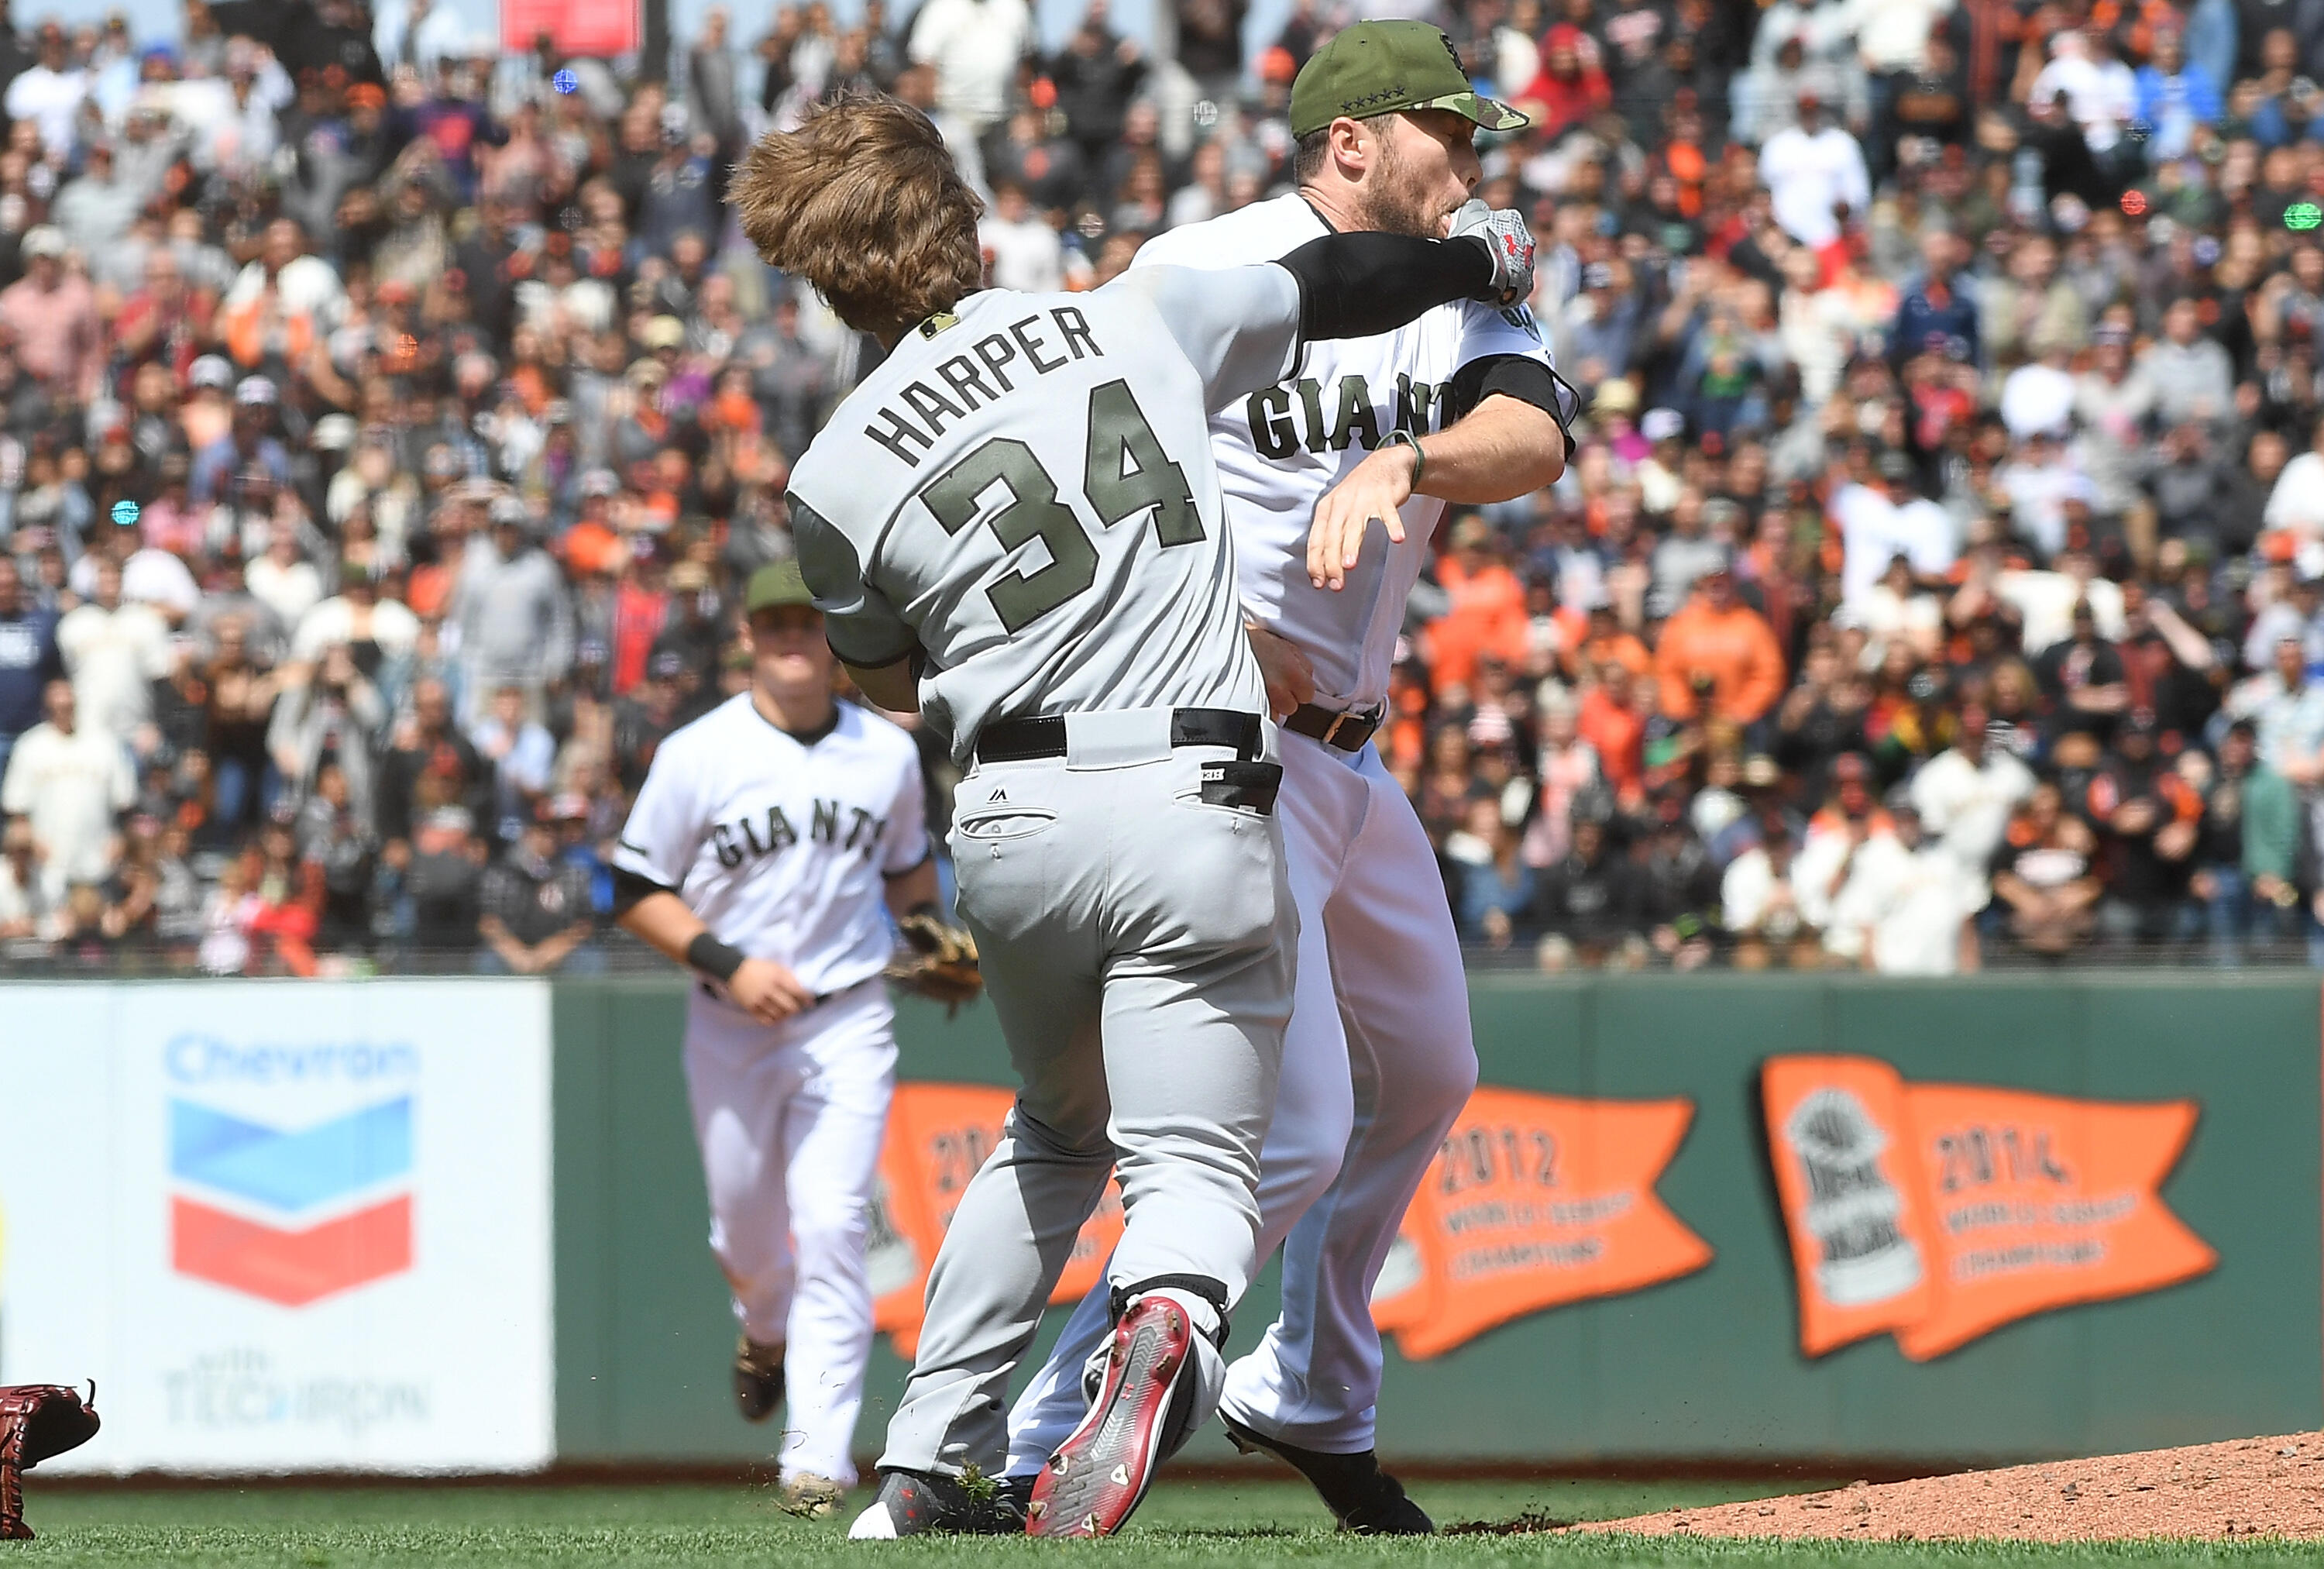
[1330,736]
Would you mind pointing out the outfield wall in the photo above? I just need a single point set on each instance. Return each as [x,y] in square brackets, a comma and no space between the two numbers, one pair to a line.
[2223,1337]
[406,1226]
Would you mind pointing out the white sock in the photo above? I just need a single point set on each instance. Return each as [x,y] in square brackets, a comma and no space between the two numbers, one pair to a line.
[872,1526]
[1205,1316]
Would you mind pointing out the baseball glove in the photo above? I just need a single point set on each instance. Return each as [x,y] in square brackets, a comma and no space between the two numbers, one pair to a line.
[36,1421]
[939,963]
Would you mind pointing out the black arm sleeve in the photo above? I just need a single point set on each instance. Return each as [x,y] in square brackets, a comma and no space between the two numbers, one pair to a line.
[631,889]
[1514,375]
[1361,285]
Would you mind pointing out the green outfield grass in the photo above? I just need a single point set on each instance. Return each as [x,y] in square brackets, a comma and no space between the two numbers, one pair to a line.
[1247,1525]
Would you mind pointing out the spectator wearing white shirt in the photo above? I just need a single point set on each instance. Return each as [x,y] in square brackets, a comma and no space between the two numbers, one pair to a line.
[303,284]
[2045,602]
[1760,906]
[974,46]
[1964,794]
[71,780]
[1026,255]
[115,651]
[1892,41]
[1891,35]
[2297,501]
[358,617]
[1815,175]
[26,911]
[1836,835]
[50,94]
[232,118]
[283,578]
[1896,610]
[158,578]
[417,34]
[148,575]
[2039,481]
[2040,396]
[2099,90]
[1905,906]
[1878,525]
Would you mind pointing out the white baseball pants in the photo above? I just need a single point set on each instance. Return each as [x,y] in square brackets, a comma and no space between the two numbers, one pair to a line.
[789,1118]
[1376,1064]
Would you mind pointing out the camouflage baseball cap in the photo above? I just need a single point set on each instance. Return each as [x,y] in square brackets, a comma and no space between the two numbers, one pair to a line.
[775,585]
[1375,68]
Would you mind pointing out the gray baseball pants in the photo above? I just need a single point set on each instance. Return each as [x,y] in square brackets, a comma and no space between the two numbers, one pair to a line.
[1140,944]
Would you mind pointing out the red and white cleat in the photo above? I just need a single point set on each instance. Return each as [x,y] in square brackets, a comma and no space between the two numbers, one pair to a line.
[1099,1474]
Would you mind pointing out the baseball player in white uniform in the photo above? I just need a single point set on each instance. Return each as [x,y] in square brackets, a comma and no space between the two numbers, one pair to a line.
[1015,525]
[1460,405]
[769,842]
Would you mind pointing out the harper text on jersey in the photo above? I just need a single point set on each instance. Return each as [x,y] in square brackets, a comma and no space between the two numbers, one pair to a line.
[994,352]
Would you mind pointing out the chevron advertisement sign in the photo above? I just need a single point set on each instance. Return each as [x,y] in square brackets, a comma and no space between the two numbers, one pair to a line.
[313,1231]
[291,1215]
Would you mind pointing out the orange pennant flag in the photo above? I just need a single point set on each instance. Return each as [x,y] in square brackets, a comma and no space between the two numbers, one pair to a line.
[1534,1201]
[1844,1171]
[2038,1202]
[1941,1211]
[939,1136]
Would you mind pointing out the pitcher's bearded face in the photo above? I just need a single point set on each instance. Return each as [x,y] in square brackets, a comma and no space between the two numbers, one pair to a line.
[1424,168]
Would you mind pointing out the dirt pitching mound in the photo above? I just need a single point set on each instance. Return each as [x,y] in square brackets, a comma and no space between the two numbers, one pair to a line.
[2270,1487]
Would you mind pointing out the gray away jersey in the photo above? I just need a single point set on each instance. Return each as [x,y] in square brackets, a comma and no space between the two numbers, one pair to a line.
[1025,489]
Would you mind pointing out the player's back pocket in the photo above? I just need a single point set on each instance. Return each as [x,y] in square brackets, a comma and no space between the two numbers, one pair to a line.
[1249,787]
[983,824]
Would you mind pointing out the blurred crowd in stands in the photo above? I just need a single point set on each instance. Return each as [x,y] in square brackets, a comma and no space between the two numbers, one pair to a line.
[387,422]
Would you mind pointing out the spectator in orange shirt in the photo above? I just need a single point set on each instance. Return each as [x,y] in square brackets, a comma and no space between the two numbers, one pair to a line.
[1605,640]
[1487,615]
[1717,637]
[1614,722]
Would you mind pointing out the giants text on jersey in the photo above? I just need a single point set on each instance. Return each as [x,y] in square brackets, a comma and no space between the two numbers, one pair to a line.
[782,844]
[1279,450]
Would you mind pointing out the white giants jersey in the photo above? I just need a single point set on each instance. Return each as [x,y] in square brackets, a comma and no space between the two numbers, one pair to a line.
[1279,450]
[784,846]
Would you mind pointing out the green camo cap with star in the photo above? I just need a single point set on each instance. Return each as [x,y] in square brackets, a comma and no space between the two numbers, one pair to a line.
[1375,68]
[774,586]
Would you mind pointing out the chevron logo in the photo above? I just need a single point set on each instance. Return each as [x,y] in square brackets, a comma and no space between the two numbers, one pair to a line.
[290,1216]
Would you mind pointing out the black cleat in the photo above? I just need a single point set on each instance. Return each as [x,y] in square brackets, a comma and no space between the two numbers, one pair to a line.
[1018,1490]
[1361,1496]
[917,1503]
[758,1379]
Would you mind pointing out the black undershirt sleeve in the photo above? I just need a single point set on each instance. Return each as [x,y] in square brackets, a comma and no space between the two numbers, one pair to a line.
[1514,376]
[1361,285]
[631,889]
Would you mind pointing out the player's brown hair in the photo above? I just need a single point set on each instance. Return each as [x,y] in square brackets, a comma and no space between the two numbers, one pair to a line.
[863,202]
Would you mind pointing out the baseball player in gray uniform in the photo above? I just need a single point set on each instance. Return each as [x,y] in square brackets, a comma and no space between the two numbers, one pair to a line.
[1459,405]
[1014,526]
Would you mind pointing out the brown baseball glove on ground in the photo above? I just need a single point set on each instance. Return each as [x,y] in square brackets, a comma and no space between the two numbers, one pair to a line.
[36,1421]
[942,963]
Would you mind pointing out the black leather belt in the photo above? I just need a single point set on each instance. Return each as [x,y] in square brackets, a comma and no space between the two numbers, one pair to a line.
[1024,740]
[1347,732]
[717,995]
